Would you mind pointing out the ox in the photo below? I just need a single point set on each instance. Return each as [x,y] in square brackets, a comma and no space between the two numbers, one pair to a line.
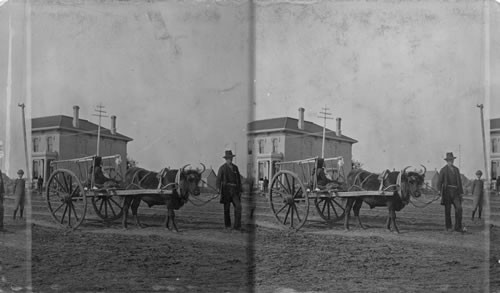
[403,184]
[177,196]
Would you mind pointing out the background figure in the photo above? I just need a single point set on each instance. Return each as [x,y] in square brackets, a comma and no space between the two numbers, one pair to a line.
[498,185]
[450,186]
[39,183]
[2,194]
[266,184]
[478,194]
[19,194]
[229,187]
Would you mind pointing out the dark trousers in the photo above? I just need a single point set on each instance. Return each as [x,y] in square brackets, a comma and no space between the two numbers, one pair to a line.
[236,201]
[456,201]
[1,211]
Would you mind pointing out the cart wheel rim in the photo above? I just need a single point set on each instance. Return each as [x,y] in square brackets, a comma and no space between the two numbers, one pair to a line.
[66,199]
[289,200]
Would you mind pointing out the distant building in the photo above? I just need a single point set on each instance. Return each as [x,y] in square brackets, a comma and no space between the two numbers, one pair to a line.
[431,178]
[209,178]
[289,139]
[62,137]
[495,147]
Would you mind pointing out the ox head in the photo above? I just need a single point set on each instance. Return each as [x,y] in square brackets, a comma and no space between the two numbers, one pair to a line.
[411,183]
[189,180]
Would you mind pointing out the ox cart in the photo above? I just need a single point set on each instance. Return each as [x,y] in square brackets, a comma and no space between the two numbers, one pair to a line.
[295,184]
[72,185]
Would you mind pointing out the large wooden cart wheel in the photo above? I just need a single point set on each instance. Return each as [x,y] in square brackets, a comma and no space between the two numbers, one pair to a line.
[289,200]
[107,207]
[66,198]
[330,208]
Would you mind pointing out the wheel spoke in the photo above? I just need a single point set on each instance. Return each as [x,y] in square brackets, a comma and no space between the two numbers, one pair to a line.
[55,211]
[334,210]
[282,208]
[69,213]
[291,217]
[286,216]
[324,206]
[102,203]
[117,204]
[288,184]
[340,206]
[297,211]
[286,190]
[328,204]
[297,192]
[64,214]
[111,207]
[74,212]
[59,183]
[105,207]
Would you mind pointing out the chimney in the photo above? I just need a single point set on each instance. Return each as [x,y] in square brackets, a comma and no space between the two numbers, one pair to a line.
[113,124]
[76,119]
[339,132]
[301,118]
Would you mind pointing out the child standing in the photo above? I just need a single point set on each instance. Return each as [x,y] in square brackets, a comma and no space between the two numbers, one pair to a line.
[478,194]
[19,194]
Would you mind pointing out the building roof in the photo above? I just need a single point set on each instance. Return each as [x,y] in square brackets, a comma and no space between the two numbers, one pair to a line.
[288,124]
[207,173]
[430,174]
[66,123]
[495,123]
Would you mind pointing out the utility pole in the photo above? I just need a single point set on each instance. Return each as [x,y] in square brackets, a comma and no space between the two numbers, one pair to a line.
[325,116]
[25,143]
[100,113]
[480,106]
[459,157]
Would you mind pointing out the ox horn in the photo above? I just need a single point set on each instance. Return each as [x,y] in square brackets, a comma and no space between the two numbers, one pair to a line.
[425,170]
[404,170]
[204,168]
[182,169]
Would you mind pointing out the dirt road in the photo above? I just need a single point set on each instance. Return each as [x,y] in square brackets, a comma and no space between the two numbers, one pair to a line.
[206,258]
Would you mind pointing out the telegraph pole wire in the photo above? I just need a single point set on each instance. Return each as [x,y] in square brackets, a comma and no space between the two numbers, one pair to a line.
[324,116]
[100,113]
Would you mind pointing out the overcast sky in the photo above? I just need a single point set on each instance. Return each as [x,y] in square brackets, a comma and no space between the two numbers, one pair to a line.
[404,76]
[174,73]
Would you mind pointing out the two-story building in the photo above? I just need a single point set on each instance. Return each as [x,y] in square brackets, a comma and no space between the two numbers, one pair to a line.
[495,147]
[289,139]
[62,137]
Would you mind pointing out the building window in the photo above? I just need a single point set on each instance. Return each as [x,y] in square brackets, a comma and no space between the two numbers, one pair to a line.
[36,168]
[275,145]
[250,147]
[36,144]
[494,169]
[50,144]
[262,172]
[261,146]
[494,145]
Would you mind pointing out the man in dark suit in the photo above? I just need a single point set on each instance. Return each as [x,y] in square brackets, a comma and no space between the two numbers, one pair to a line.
[229,187]
[450,186]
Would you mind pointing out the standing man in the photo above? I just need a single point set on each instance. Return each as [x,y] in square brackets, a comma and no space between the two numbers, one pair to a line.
[229,187]
[19,194]
[450,186]
[2,193]
[477,194]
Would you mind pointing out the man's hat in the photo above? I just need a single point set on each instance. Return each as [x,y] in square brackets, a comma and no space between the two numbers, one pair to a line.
[229,154]
[479,172]
[449,156]
[20,172]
